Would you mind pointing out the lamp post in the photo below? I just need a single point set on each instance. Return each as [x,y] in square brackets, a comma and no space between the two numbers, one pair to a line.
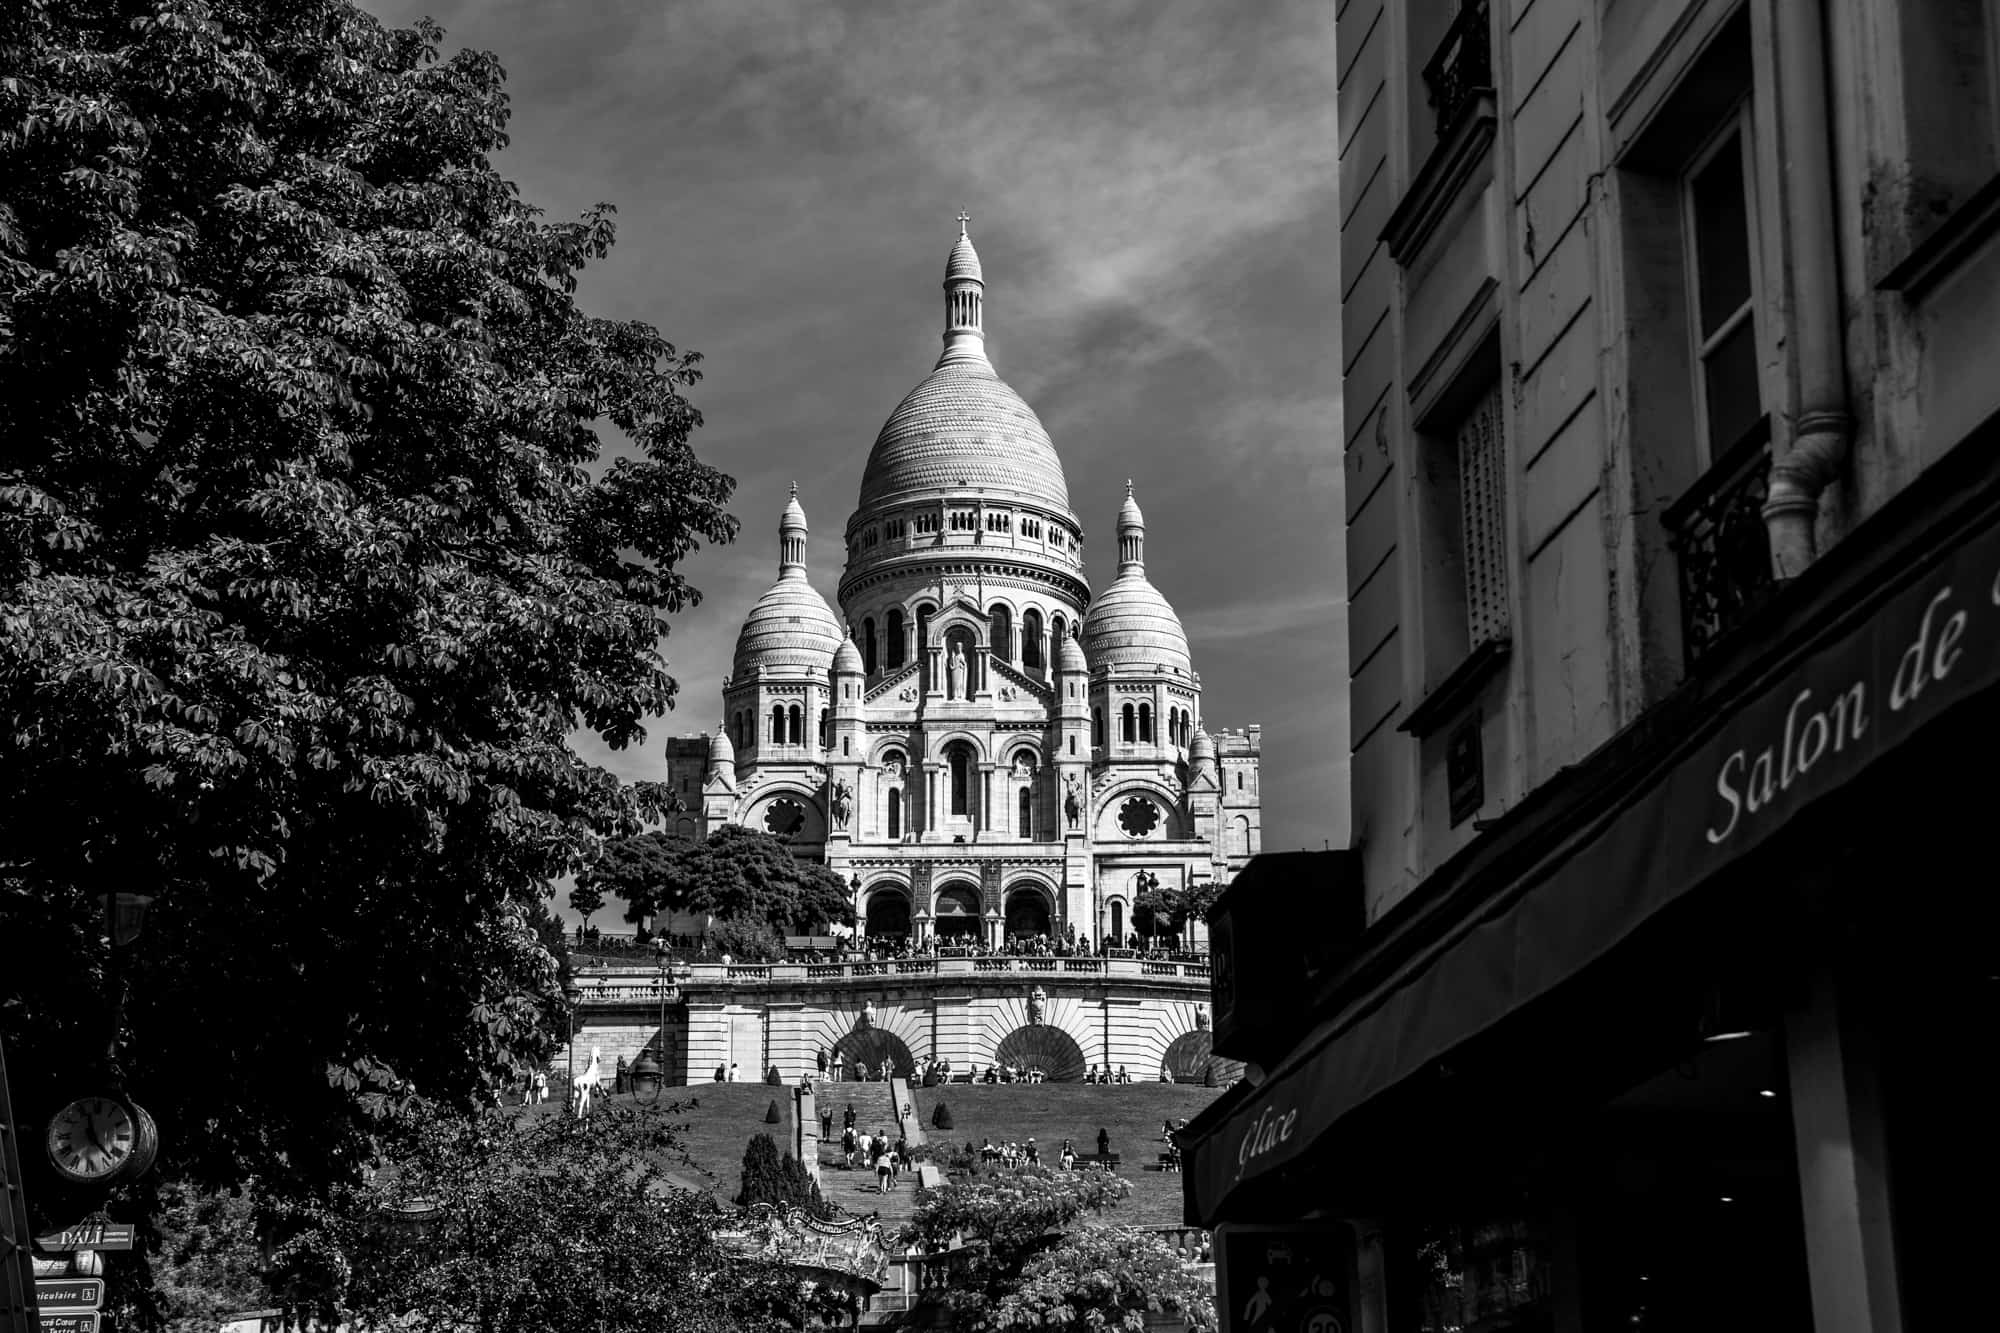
[571,994]
[648,1073]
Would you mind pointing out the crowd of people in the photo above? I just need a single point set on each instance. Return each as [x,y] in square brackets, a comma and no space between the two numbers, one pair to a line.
[901,948]
[880,1154]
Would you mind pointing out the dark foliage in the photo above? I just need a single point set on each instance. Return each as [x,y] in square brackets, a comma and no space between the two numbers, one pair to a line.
[941,1118]
[309,564]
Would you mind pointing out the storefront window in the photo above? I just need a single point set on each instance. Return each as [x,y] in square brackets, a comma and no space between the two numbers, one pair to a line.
[1485,1275]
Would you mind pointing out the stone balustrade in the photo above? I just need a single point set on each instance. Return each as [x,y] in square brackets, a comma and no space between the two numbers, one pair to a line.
[634,985]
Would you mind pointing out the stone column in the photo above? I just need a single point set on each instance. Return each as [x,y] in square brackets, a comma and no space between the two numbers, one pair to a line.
[980,680]
[983,826]
[934,681]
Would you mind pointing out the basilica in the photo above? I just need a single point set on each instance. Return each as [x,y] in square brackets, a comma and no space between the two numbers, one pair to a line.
[980,746]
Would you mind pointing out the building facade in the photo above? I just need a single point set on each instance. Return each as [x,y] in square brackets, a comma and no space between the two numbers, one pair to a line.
[983,748]
[1673,490]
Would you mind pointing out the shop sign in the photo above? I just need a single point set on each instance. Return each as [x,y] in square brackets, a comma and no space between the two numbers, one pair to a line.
[96,1232]
[1863,688]
[1284,1279]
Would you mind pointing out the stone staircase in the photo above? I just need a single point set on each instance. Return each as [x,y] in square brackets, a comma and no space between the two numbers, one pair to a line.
[874,1106]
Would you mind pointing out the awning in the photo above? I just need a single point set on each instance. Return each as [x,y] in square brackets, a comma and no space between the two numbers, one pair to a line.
[1846,694]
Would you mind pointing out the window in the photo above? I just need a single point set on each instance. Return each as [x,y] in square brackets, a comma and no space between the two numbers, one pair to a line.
[1127,730]
[1072,745]
[1001,631]
[1146,723]
[798,729]
[895,636]
[1057,628]
[1239,780]
[1097,726]
[1026,807]
[868,645]
[846,747]
[1031,639]
[1722,286]
[895,813]
[825,729]
[961,777]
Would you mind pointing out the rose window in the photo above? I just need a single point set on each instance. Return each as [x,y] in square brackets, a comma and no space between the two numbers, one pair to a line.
[784,818]
[1138,817]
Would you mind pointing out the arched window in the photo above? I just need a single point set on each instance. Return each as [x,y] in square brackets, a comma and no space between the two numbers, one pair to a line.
[895,636]
[1031,638]
[1097,726]
[960,758]
[1146,723]
[825,729]
[1000,629]
[868,645]
[1021,823]
[777,724]
[1118,922]
[1057,628]
[1239,780]
[1127,731]
[895,814]
[798,727]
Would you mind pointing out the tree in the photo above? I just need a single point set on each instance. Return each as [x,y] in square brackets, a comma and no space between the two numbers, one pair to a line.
[519,1223]
[941,1118]
[1005,1219]
[585,900]
[310,561]
[647,872]
[781,1182]
[1106,1277]
[748,881]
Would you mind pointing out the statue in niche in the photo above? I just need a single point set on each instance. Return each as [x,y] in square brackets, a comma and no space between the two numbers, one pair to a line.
[1072,799]
[955,673]
[843,799]
[1037,998]
[867,1019]
[1201,1018]
[1023,766]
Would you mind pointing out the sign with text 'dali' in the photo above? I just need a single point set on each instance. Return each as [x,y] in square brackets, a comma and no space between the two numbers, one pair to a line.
[96,1232]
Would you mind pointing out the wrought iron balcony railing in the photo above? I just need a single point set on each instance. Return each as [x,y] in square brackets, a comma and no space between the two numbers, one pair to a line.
[1723,546]
[1462,67]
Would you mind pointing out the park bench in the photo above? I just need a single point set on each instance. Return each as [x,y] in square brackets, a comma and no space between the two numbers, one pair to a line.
[1107,1160]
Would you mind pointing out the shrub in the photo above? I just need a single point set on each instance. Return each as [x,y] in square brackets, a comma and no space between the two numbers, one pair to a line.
[762,1178]
[1208,1075]
[941,1118]
[772,1116]
[772,1077]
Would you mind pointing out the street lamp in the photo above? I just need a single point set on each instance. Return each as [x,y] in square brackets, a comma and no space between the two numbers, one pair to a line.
[571,994]
[647,1072]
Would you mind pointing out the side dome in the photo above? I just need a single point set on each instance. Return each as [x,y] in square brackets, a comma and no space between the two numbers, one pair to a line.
[791,624]
[721,754]
[1130,625]
[1202,747]
[847,658]
[1070,656]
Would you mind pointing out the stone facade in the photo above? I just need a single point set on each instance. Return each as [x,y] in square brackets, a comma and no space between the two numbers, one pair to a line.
[980,748]
[1059,1015]
[1566,476]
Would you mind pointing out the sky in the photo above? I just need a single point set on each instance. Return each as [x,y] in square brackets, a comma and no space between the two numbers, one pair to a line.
[1151,185]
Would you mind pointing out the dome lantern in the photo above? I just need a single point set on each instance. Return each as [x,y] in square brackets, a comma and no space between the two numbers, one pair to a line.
[964,301]
[792,535]
[1131,534]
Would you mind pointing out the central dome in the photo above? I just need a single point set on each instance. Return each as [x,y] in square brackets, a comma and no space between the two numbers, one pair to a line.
[964,429]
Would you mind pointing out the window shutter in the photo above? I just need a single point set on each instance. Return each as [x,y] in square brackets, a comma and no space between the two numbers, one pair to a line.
[1481,449]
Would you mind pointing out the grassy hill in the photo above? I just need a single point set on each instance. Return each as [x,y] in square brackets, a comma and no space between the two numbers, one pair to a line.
[716,1121]
[1052,1112]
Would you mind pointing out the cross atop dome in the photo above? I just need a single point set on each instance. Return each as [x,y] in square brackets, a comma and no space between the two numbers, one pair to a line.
[963,218]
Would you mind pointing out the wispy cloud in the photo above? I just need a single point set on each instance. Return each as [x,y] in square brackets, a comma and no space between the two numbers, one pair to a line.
[1152,184]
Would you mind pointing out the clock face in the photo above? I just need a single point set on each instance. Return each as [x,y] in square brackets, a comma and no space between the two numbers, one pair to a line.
[91,1139]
